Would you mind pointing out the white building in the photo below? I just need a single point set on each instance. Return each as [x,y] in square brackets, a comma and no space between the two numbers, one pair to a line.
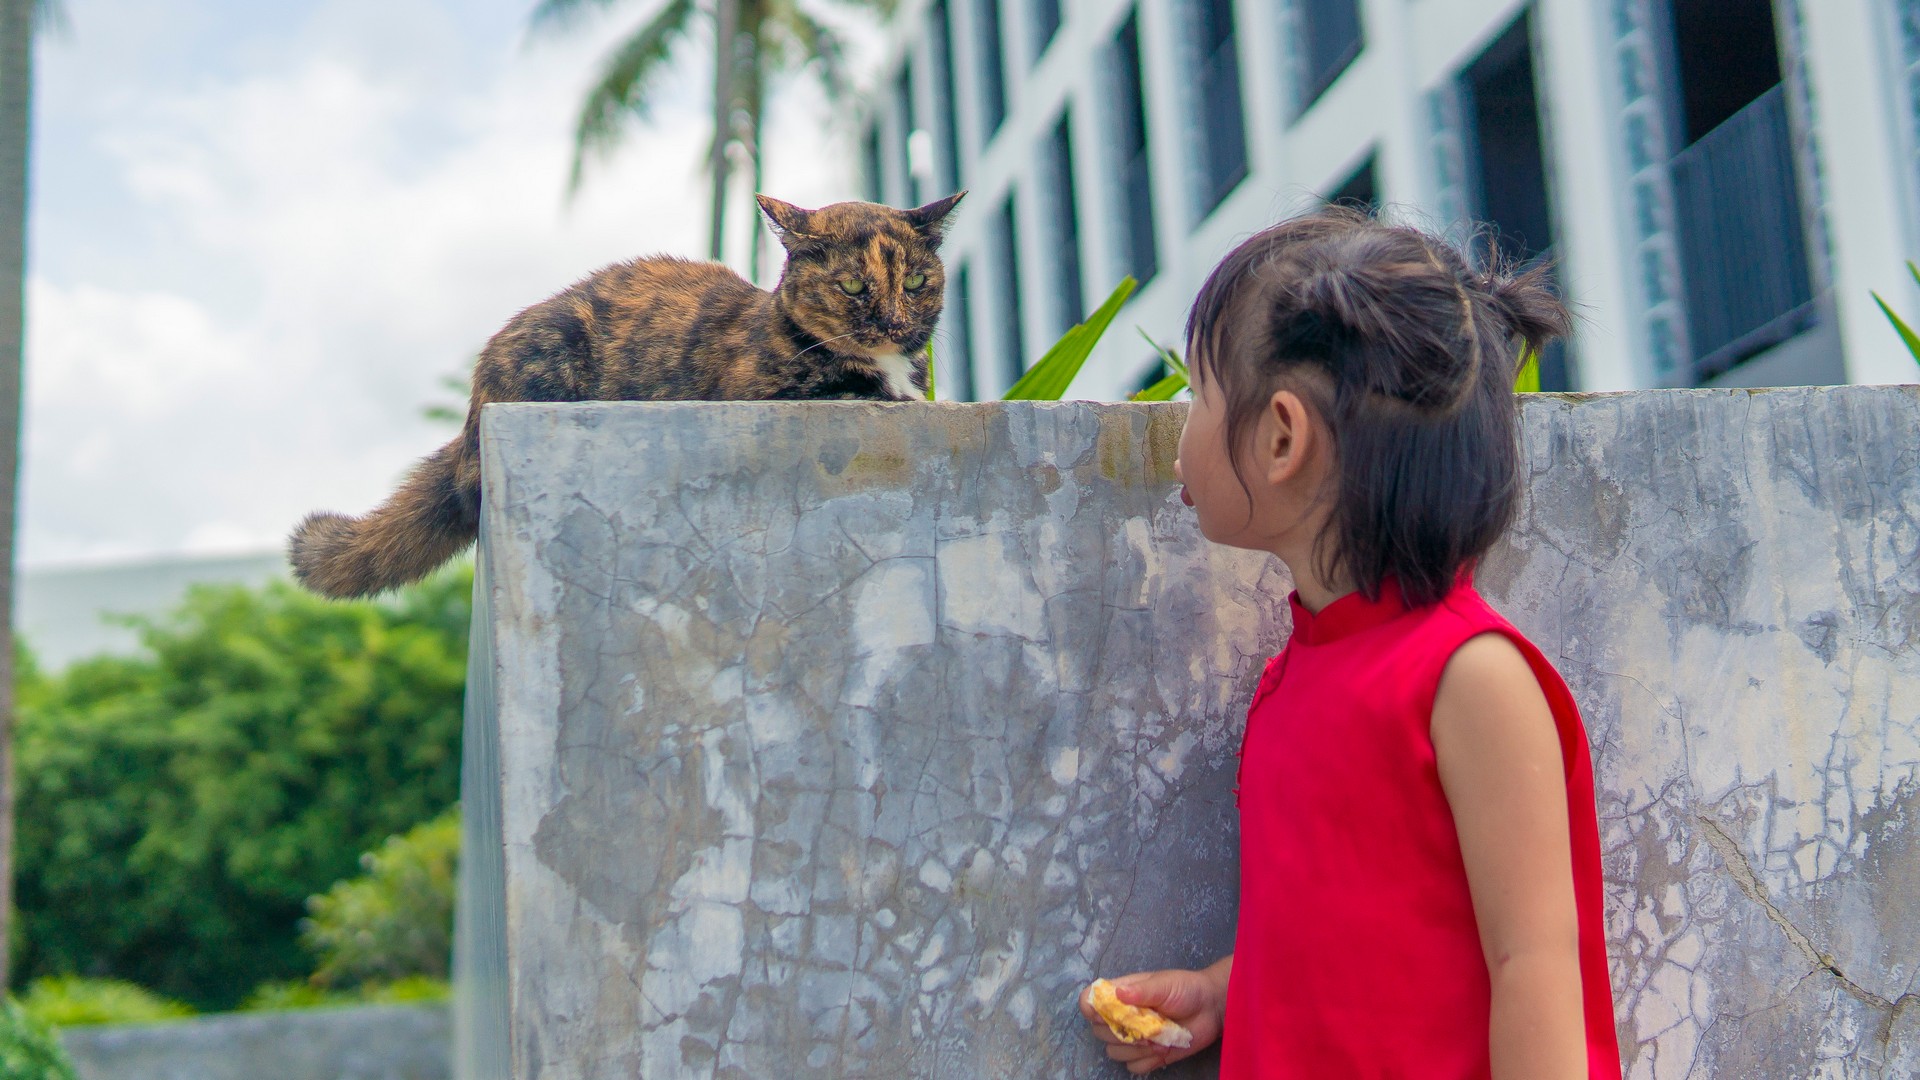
[1720,182]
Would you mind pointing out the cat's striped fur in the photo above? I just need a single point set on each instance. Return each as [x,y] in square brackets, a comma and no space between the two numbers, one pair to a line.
[661,329]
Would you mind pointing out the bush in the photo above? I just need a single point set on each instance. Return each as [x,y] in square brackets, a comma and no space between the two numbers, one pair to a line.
[177,808]
[275,996]
[28,1049]
[394,921]
[71,1001]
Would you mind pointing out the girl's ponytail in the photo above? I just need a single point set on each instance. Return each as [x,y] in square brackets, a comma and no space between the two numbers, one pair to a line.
[1527,306]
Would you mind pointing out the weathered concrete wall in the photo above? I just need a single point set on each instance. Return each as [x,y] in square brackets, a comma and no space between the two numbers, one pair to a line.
[844,740]
[374,1042]
[1730,582]
[850,740]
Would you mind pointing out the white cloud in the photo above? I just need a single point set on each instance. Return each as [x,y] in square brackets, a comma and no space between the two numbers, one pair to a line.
[324,236]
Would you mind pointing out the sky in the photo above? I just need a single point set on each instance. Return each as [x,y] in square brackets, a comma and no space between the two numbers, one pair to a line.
[263,234]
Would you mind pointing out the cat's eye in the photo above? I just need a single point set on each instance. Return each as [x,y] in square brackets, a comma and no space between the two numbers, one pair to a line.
[914,281]
[852,286]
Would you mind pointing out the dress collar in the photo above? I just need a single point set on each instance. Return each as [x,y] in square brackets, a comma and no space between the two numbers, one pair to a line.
[1348,615]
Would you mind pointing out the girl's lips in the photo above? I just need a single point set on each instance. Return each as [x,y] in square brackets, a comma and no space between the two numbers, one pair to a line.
[1185,496]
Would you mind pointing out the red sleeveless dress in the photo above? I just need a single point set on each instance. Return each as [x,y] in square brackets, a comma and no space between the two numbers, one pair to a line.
[1357,954]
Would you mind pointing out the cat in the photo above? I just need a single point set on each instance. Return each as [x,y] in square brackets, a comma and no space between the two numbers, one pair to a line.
[851,317]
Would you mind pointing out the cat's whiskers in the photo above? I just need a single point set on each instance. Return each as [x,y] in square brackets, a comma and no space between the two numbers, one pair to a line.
[816,345]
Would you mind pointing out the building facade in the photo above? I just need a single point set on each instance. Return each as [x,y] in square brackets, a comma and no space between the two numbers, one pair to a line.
[1719,184]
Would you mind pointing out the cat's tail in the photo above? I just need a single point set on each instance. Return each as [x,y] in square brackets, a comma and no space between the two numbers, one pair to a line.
[429,520]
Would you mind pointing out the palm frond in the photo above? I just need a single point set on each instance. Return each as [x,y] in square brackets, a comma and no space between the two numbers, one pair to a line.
[50,17]
[552,15]
[812,41]
[620,92]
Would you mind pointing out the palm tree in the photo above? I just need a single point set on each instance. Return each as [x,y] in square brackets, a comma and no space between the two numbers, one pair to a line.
[19,19]
[755,42]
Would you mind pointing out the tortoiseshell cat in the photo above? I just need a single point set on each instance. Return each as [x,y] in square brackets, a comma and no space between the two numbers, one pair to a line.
[851,318]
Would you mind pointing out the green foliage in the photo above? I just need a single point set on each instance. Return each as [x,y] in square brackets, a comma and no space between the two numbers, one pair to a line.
[177,808]
[1528,379]
[73,1001]
[28,1049]
[1900,326]
[1176,378]
[396,919]
[301,994]
[1048,379]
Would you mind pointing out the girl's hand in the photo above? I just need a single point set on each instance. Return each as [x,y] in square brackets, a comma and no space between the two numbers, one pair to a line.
[1196,1000]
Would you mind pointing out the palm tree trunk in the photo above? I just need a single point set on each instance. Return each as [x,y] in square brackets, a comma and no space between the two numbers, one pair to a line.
[726,31]
[16,113]
[756,106]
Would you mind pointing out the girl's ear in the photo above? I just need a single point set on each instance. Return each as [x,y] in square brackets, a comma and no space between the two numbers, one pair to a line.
[1287,438]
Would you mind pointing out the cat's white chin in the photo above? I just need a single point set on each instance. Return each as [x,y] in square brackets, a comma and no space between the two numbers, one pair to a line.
[896,371]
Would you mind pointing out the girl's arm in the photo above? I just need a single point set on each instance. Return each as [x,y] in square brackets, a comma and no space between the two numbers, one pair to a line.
[1500,763]
[1196,1000]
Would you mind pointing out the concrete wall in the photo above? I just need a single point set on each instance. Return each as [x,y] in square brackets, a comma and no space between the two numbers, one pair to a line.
[850,740]
[374,1042]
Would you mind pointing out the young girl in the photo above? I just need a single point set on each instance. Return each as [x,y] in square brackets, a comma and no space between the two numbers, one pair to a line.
[1419,860]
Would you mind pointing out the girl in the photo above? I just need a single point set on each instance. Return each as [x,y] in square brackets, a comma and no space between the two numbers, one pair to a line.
[1419,860]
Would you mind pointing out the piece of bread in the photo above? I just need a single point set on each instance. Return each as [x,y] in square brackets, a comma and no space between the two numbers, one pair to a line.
[1132,1023]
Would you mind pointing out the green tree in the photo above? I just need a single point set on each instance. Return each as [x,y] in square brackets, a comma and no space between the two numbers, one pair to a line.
[755,42]
[28,1049]
[396,919]
[179,807]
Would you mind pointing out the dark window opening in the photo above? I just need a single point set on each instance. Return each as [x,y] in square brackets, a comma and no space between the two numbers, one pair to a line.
[1508,164]
[1331,39]
[1006,254]
[1736,188]
[1221,122]
[909,125]
[993,75]
[1728,57]
[940,29]
[958,342]
[1129,132]
[1360,191]
[1046,23]
[1063,227]
[870,164]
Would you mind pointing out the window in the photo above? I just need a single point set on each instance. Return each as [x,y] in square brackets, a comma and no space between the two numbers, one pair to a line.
[1063,227]
[1736,189]
[993,76]
[1508,172]
[1507,167]
[909,134]
[940,45]
[1361,191]
[870,163]
[1221,126]
[957,346]
[1135,167]
[1330,40]
[1045,24]
[1006,255]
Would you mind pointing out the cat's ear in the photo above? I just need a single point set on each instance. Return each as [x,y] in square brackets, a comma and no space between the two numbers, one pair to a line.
[789,222]
[930,221]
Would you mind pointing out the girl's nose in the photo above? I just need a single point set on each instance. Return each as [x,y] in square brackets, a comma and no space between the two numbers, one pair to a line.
[1177,474]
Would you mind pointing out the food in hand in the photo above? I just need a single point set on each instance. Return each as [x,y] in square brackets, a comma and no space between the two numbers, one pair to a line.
[1133,1023]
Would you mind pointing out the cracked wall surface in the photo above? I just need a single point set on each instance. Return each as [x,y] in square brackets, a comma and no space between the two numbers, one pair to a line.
[1730,582]
[850,740]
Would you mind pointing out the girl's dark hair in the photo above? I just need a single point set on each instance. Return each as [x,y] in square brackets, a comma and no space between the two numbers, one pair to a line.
[1408,354]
